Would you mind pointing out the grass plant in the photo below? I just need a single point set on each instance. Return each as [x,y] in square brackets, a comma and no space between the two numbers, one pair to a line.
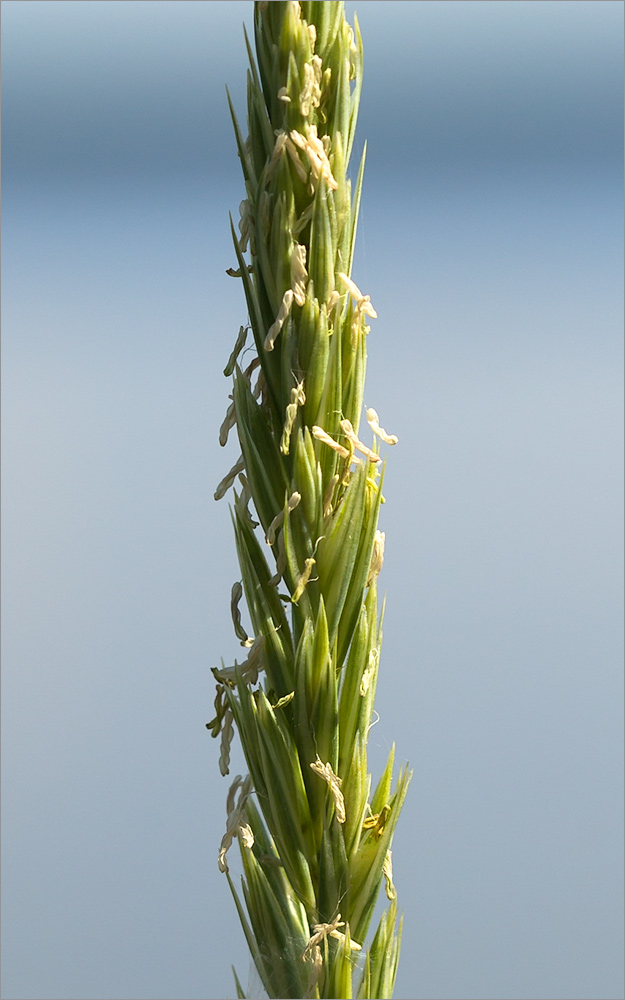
[314,836]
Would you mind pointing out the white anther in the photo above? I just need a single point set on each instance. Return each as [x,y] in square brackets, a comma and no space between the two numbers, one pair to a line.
[236,816]
[278,520]
[321,435]
[299,274]
[228,480]
[387,871]
[303,580]
[283,312]
[377,556]
[327,498]
[227,733]
[238,347]
[374,423]
[228,423]
[369,671]
[325,771]
[350,434]
[246,835]
[316,154]
[235,597]
[363,304]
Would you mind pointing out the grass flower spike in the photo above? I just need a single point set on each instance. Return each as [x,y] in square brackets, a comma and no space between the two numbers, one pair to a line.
[314,837]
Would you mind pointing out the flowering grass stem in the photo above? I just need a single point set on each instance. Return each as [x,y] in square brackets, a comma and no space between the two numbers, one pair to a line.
[315,841]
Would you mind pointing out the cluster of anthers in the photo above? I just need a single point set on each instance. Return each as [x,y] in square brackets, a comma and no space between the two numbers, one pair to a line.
[312,951]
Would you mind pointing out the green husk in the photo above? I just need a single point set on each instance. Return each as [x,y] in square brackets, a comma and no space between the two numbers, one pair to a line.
[315,844]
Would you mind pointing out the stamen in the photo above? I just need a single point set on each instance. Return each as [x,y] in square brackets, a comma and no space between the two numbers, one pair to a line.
[247,836]
[300,169]
[284,701]
[280,562]
[236,815]
[274,329]
[238,273]
[238,347]
[374,423]
[227,734]
[325,771]
[321,435]
[245,224]
[306,91]
[327,499]
[273,528]
[369,671]
[298,398]
[377,556]
[314,149]
[321,931]
[303,580]
[363,305]
[299,275]
[228,480]
[235,597]
[387,871]
[227,425]
[350,434]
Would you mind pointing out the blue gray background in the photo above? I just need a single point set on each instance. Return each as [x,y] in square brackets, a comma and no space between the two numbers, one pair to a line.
[491,245]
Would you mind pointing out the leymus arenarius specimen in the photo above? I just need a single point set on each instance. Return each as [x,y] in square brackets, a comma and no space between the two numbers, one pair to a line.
[315,843]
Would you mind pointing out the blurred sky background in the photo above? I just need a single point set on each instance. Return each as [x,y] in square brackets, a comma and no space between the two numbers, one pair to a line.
[491,245]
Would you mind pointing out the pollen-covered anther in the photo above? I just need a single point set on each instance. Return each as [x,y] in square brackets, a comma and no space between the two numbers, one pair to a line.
[369,671]
[374,423]
[260,385]
[325,771]
[283,95]
[238,347]
[280,562]
[303,580]
[310,95]
[227,734]
[324,437]
[306,91]
[363,304]
[247,671]
[245,224]
[377,556]
[247,836]
[278,520]
[236,816]
[329,493]
[387,871]
[276,153]
[235,597]
[300,169]
[350,434]
[316,154]
[321,931]
[299,274]
[283,313]
[229,479]
[247,374]
[228,423]
[298,398]
[237,272]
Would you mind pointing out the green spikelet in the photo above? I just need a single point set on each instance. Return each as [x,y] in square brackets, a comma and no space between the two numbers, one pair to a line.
[315,844]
